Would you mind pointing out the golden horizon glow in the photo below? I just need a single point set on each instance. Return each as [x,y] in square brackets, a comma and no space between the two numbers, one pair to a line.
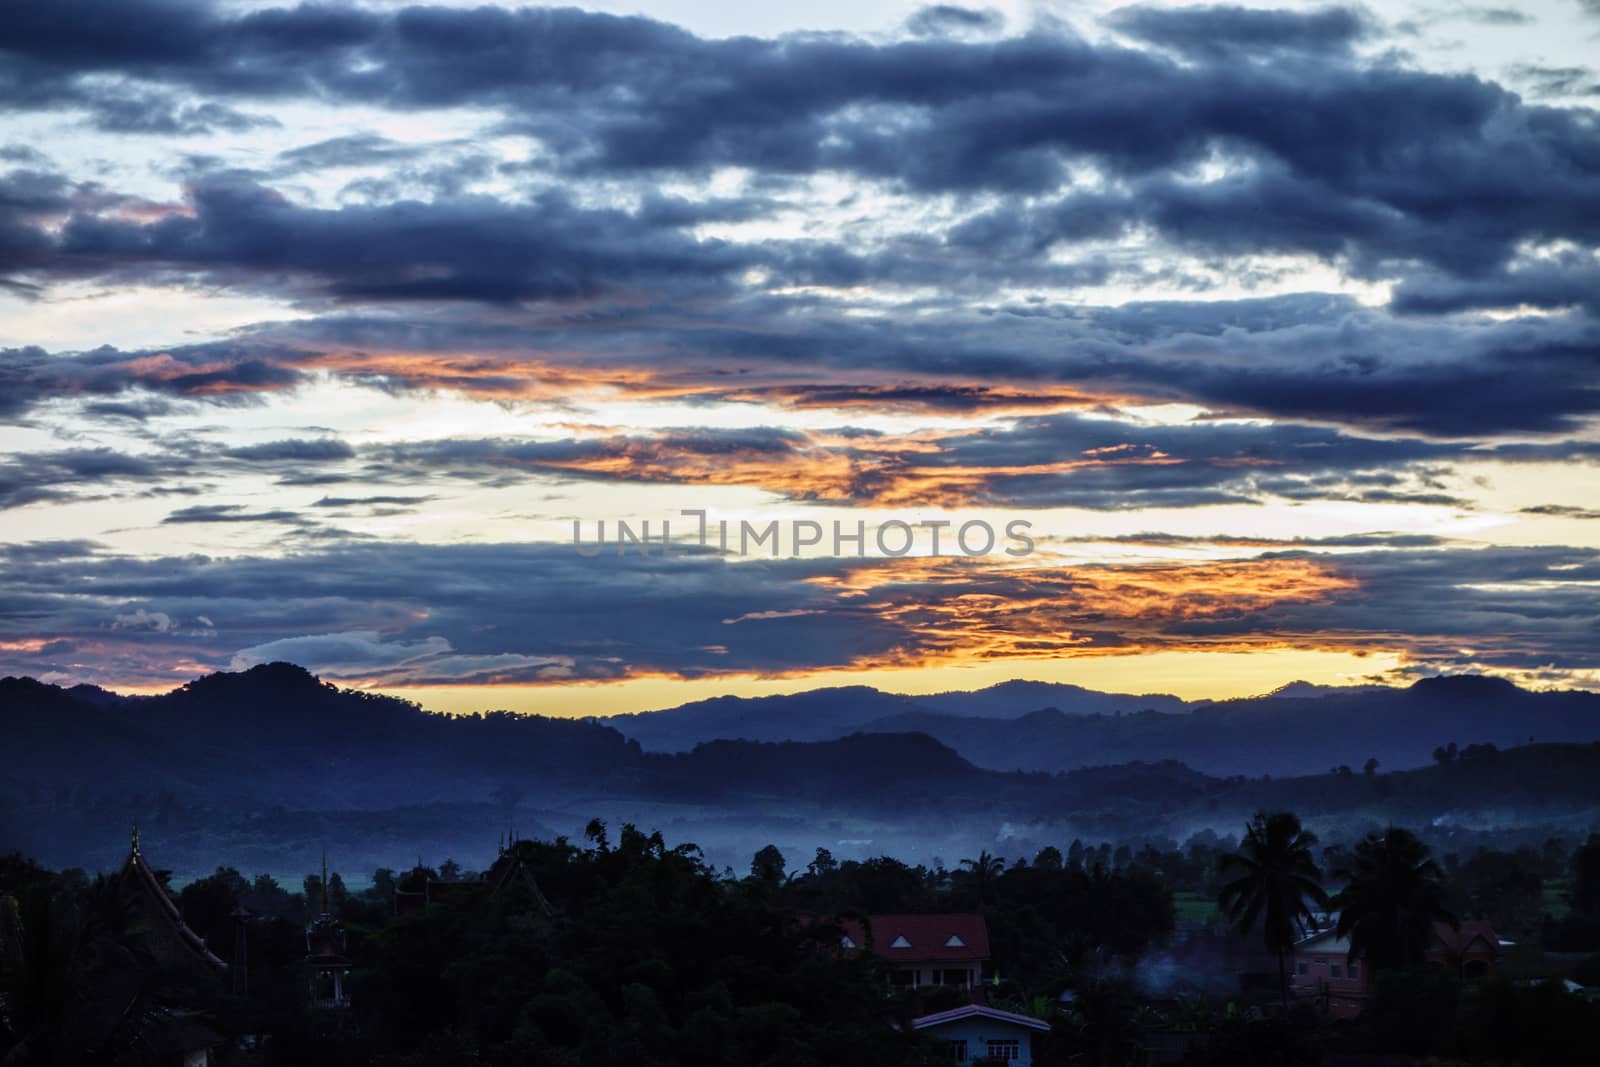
[1185,674]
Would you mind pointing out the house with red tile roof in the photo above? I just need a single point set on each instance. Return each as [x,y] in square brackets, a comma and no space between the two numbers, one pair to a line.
[925,950]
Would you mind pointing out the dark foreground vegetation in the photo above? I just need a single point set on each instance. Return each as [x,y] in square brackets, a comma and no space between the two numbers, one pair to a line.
[628,950]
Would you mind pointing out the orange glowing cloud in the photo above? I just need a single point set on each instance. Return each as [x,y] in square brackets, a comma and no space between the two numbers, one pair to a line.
[959,611]
[553,375]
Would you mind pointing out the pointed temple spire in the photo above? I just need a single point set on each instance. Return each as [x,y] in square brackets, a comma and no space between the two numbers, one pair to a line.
[153,910]
[325,879]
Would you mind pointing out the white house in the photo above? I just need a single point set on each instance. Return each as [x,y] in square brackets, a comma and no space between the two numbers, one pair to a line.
[976,1032]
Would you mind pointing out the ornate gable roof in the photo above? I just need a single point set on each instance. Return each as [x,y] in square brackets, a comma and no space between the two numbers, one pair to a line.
[174,938]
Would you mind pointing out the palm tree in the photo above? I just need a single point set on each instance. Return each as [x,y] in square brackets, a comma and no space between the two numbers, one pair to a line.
[982,872]
[1394,895]
[1275,877]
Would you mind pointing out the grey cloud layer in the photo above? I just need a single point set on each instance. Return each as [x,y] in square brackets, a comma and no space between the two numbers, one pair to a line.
[1371,163]
[1466,196]
[437,614]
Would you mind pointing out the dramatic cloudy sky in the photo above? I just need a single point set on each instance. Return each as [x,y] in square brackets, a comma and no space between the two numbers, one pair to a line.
[320,326]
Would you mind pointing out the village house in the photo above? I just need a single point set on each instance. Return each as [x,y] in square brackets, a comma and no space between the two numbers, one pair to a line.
[1324,973]
[976,1032]
[925,950]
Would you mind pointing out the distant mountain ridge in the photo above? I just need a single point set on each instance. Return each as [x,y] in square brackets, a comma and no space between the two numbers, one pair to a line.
[820,714]
[1002,701]
[1031,726]
[1298,729]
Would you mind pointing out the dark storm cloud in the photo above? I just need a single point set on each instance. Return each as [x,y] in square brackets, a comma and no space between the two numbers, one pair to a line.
[1557,81]
[117,109]
[1208,31]
[137,410]
[236,230]
[609,616]
[218,372]
[1114,466]
[1436,182]
[468,249]
[1563,511]
[29,478]
[370,501]
[350,150]
[1455,604]
[1340,157]
[210,513]
[1297,357]
[298,449]
[1302,357]
[938,20]
[1570,280]
[176,466]
[22,153]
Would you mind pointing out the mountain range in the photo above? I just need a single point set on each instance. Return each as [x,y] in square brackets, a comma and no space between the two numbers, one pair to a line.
[1037,726]
[267,765]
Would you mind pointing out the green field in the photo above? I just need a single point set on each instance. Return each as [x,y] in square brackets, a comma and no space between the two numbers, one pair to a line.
[1194,908]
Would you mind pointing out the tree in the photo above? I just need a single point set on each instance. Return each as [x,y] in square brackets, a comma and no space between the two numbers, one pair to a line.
[1503,887]
[1274,881]
[312,887]
[981,874]
[338,893]
[1394,894]
[767,865]
[824,863]
[1586,878]
[1370,767]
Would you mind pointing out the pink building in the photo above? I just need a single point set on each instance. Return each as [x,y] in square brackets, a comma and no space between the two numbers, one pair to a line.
[1324,973]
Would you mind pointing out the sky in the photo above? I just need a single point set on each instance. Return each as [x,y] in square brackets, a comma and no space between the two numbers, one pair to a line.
[1263,338]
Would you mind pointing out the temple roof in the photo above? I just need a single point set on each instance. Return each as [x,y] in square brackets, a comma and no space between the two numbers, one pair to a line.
[138,878]
[512,872]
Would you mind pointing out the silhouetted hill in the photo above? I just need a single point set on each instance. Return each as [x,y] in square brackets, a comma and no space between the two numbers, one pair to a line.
[276,733]
[1008,700]
[814,715]
[1483,784]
